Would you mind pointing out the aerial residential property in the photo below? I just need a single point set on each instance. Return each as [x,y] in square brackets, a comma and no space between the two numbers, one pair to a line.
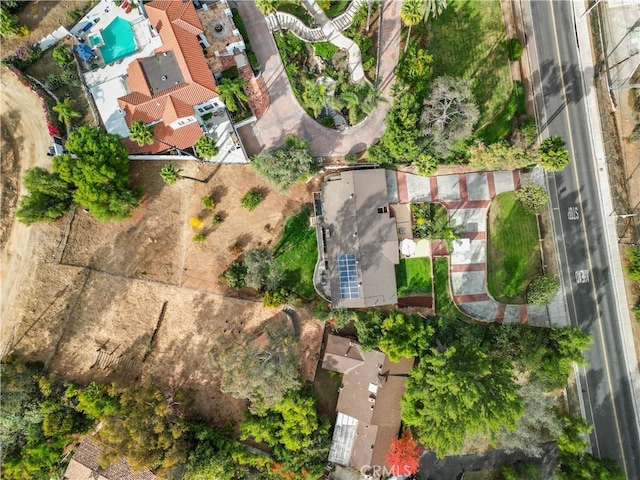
[368,403]
[319,239]
[359,239]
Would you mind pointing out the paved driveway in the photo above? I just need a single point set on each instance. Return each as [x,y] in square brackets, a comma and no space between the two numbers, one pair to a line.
[286,117]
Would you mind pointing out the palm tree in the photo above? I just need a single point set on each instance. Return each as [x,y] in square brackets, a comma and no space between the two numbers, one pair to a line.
[65,111]
[232,94]
[141,133]
[171,175]
[411,14]
[373,96]
[314,96]
[433,8]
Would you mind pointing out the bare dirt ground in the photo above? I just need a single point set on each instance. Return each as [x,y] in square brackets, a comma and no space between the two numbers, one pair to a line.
[102,303]
[23,141]
[92,315]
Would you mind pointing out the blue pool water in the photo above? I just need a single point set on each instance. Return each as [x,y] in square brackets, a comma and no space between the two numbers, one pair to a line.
[118,40]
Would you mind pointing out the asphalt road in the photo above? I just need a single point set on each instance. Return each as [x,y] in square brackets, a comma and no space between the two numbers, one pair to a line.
[579,229]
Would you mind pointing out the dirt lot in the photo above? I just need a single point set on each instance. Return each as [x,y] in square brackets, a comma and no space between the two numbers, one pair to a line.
[91,316]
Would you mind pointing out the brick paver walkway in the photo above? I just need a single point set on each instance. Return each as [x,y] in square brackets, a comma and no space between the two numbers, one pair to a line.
[467,196]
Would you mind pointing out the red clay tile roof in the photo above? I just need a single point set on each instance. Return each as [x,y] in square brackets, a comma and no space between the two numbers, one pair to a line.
[183,137]
[178,26]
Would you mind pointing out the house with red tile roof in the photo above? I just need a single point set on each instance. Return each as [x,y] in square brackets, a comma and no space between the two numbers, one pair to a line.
[173,89]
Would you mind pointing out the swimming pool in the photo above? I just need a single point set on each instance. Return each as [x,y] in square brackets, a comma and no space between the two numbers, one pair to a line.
[118,40]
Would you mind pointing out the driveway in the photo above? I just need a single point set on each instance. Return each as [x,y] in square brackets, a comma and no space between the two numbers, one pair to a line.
[286,117]
[467,197]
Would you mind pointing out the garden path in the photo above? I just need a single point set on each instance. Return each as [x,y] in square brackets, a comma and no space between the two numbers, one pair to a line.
[328,31]
[286,117]
[467,197]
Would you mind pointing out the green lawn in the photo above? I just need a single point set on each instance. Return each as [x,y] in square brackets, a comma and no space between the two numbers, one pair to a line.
[296,252]
[297,10]
[326,385]
[443,302]
[337,7]
[413,276]
[468,40]
[512,249]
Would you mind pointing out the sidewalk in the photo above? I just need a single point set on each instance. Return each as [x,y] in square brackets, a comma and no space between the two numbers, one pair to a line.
[286,117]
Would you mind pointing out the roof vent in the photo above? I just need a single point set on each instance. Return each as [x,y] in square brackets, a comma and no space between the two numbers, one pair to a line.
[164,78]
[164,54]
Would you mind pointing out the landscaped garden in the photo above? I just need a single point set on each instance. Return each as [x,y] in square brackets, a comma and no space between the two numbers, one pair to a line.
[456,61]
[512,249]
[296,253]
[318,72]
[413,277]
[468,41]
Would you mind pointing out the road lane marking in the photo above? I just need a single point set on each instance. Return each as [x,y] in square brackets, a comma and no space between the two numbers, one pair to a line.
[573,213]
[584,227]
[582,276]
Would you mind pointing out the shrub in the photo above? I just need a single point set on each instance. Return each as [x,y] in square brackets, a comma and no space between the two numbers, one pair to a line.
[195,222]
[351,158]
[23,31]
[320,310]
[252,199]
[514,47]
[216,220]
[636,312]
[199,238]
[74,15]
[542,290]
[235,275]
[426,164]
[325,50]
[275,298]
[533,197]
[235,248]
[328,122]
[633,268]
[208,203]
[343,317]
[61,56]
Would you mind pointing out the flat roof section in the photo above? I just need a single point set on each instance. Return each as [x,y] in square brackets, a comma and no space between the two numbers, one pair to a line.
[162,72]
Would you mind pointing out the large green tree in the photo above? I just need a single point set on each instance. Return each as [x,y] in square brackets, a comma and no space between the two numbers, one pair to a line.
[206,147]
[405,336]
[401,134]
[99,170]
[458,391]
[292,428]
[548,354]
[286,165]
[260,374]
[411,14]
[263,273]
[49,196]
[147,429]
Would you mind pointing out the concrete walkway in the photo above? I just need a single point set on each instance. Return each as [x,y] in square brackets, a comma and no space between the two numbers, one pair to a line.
[328,31]
[286,117]
[467,197]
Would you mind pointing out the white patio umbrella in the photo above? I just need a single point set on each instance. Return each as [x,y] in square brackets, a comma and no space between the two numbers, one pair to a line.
[407,247]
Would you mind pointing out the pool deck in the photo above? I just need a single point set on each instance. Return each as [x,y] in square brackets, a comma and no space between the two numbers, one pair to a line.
[106,83]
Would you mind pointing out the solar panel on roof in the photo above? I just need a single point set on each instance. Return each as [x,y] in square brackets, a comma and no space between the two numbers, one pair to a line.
[348,274]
